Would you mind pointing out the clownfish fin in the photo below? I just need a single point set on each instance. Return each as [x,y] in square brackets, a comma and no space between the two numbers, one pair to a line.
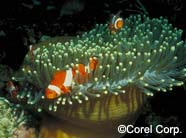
[118,13]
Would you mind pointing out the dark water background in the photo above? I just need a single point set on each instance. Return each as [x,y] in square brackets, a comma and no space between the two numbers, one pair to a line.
[25,22]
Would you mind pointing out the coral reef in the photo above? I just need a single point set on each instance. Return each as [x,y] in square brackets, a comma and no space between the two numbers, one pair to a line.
[10,119]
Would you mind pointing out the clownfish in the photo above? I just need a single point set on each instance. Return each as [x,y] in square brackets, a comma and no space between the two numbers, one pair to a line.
[12,88]
[116,23]
[63,80]
[32,51]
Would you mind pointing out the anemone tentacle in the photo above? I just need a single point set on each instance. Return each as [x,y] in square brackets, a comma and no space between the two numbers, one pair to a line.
[147,53]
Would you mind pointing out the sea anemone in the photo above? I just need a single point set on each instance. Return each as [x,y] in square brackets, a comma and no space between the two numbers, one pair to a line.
[144,57]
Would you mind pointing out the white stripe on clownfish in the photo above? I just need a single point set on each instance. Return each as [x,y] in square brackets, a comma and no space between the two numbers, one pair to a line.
[116,23]
[87,68]
[62,81]
[68,78]
[55,88]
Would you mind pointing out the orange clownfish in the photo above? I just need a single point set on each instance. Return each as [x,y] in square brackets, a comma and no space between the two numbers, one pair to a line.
[12,88]
[116,23]
[62,80]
